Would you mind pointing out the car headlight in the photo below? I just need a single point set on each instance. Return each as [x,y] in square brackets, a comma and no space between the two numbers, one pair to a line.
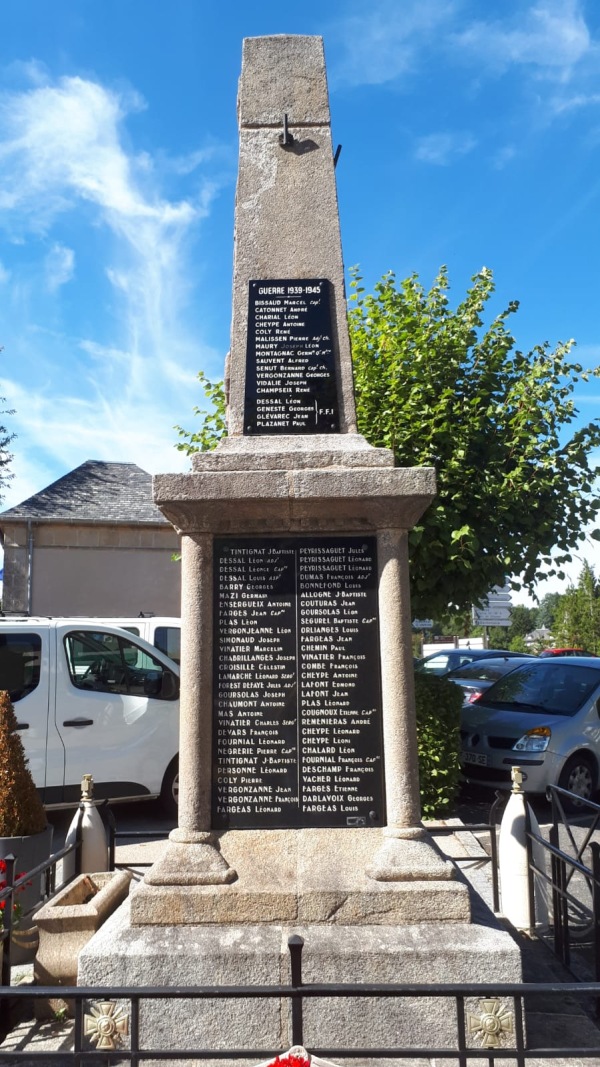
[536,740]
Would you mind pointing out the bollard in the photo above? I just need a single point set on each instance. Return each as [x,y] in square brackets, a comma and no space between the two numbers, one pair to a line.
[88,823]
[516,880]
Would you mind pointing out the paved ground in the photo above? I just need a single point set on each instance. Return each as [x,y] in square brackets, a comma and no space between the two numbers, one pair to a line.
[566,1022]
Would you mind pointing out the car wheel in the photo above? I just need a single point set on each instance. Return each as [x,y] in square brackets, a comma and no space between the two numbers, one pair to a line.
[169,794]
[579,777]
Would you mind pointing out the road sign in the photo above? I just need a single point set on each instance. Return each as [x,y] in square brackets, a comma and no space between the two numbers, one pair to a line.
[492,616]
[499,598]
[422,624]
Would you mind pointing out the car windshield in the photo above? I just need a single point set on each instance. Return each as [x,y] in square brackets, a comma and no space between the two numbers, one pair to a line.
[486,671]
[550,688]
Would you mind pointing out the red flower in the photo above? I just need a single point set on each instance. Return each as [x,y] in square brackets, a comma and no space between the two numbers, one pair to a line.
[289,1061]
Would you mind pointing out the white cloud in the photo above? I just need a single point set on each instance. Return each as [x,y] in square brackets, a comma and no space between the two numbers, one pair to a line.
[503,156]
[59,266]
[551,36]
[62,146]
[441,149]
[59,432]
[384,42]
[562,104]
[4,274]
[64,149]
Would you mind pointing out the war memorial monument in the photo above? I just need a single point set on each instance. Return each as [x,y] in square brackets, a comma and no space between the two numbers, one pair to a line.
[299,807]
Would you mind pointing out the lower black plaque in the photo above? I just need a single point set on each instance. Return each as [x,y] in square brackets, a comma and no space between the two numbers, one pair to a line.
[290,372]
[297,708]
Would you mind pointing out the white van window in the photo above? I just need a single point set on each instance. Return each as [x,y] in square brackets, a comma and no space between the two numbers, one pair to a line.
[20,658]
[168,640]
[110,664]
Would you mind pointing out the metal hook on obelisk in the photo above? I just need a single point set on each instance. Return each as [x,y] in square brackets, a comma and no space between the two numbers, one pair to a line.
[285,139]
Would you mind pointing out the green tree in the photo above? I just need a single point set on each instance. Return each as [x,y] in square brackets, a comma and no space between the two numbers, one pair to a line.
[547,610]
[441,390]
[214,423]
[577,620]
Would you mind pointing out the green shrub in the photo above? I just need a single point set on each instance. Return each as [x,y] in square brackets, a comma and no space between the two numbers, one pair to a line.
[21,810]
[438,705]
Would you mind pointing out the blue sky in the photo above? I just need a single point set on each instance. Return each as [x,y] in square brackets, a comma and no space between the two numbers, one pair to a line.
[470,134]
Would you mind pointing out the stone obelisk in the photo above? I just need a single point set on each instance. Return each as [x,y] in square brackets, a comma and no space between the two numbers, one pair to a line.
[292,464]
[299,795]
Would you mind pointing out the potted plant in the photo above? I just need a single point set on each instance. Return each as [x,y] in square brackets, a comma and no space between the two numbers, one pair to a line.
[24,829]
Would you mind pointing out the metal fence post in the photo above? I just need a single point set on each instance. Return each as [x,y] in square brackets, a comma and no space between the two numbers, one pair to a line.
[295,945]
[530,866]
[112,827]
[595,854]
[7,915]
[500,798]
[556,901]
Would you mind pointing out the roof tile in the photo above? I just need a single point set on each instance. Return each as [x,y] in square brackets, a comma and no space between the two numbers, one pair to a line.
[94,492]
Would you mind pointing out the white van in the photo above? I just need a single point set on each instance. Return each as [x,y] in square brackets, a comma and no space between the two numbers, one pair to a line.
[91,699]
[164,632]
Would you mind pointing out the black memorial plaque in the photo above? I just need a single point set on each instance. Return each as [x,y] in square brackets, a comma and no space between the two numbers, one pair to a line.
[290,372]
[297,735]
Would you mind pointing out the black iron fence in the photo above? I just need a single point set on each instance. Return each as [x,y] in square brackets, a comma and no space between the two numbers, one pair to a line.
[489,1021]
[571,918]
[46,873]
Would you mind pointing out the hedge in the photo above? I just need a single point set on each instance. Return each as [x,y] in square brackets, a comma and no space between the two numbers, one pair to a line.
[438,704]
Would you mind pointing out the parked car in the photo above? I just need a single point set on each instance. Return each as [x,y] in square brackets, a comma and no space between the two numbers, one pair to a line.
[91,699]
[162,631]
[450,659]
[543,717]
[476,677]
[566,652]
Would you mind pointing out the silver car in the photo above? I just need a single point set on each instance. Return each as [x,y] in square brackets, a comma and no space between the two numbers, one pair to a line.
[543,717]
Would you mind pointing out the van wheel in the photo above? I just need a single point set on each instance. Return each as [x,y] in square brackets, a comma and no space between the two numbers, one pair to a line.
[169,793]
[579,777]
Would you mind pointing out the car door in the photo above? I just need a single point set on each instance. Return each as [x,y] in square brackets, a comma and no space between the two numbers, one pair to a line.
[25,672]
[118,712]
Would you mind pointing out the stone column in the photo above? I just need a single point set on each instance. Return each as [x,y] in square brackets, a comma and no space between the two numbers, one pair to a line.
[192,857]
[408,852]
[397,686]
[195,722]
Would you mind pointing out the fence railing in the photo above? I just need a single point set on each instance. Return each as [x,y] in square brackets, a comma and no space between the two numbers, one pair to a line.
[569,915]
[491,828]
[511,998]
[490,1021]
[46,872]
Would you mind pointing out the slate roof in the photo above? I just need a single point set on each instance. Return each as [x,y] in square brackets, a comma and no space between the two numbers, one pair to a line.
[94,492]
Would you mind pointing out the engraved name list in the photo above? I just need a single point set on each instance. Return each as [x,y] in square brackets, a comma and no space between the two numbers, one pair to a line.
[297,716]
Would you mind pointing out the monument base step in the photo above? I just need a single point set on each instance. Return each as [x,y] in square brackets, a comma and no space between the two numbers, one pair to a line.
[307,876]
[121,954]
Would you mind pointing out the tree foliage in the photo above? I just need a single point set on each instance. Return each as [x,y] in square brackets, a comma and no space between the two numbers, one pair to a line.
[214,424]
[441,390]
[577,621]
